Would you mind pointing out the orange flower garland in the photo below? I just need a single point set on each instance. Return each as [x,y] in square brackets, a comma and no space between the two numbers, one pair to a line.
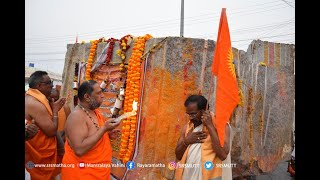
[90,59]
[132,94]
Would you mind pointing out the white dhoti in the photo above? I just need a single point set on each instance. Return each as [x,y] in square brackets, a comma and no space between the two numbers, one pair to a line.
[26,175]
[227,171]
[193,157]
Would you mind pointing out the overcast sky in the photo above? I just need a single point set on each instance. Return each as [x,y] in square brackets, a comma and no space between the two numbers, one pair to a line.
[52,24]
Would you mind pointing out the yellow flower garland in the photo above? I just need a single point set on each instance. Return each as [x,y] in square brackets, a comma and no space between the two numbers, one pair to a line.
[124,46]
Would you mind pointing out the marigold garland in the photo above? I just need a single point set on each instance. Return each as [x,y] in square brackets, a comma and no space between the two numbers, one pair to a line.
[132,94]
[249,112]
[241,102]
[261,123]
[124,46]
[90,58]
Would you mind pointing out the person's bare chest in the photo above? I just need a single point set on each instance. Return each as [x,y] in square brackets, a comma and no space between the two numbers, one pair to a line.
[92,124]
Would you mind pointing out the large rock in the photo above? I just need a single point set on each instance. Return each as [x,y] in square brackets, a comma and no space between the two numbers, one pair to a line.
[182,66]
[264,124]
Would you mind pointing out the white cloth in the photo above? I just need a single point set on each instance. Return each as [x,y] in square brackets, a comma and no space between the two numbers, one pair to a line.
[193,157]
[293,152]
[294,143]
[58,177]
[27,175]
[227,171]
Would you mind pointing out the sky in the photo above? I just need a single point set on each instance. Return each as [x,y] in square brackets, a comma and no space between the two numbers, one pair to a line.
[52,24]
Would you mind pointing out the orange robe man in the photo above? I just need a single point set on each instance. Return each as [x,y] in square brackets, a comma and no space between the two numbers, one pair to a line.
[62,117]
[88,146]
[41,149]
[101,153]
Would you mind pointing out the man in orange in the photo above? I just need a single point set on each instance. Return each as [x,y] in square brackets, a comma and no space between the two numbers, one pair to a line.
[30,131]
[62,117]
[42,148]
[86,139]
[199,143]
[62,114]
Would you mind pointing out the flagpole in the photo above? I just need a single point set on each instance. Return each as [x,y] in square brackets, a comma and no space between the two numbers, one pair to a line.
[210,92]
[209,96]
[182,18]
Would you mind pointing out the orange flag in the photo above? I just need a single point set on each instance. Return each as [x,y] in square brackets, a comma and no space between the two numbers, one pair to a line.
[227,96]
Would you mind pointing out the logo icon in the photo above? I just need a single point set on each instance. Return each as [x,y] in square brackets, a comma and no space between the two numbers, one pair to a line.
[208,165]
[130,165]
[172,165]
[81,165]
[30,165]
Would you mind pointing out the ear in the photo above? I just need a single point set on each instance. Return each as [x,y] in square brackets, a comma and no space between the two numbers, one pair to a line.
[86,96]
[38,85]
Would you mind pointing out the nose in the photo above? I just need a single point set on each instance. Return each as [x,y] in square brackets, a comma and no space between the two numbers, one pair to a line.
[191,117]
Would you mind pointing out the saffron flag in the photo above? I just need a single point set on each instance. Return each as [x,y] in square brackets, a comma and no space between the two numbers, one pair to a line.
[227,96]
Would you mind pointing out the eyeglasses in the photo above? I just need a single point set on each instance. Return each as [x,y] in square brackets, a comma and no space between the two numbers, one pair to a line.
[192,114]
[48,83]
